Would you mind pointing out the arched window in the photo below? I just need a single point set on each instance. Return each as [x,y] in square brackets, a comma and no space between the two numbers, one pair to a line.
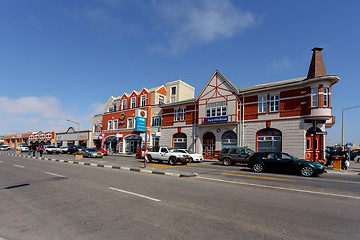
[180,141]
[269,140]
[229,139]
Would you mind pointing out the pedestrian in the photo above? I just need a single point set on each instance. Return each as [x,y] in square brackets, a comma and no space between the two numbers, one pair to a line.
[344,163]
[33,149]
[30,150]
[41,149]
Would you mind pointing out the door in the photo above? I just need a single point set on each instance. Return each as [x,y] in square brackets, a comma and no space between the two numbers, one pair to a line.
[312,144]
[209,145]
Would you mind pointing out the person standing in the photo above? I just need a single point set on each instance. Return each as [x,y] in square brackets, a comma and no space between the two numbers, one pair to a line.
[41,149]
[30,149]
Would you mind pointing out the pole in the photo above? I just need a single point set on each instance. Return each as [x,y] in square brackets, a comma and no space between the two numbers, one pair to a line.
[145,150]
[314,140]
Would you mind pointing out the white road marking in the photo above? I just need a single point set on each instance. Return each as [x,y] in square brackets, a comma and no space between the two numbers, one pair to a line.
[18,166]
[1,162]
[54,174]
[136,194]
[281,188]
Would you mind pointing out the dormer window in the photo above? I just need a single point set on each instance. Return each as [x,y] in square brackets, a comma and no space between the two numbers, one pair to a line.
[143,100]
[173,90]
[161,100]
[123,104]
[133,102]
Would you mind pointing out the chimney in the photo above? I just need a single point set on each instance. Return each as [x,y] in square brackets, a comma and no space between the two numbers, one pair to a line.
[317,67]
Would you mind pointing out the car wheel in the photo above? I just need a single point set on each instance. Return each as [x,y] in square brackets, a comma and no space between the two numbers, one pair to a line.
[172,161]
[258,167]
[227,162]
[307,171]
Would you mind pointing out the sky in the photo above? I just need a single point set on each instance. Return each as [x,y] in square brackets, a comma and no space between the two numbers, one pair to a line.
[64,59]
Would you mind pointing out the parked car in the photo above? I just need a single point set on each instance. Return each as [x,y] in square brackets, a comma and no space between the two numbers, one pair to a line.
[92,152]
[194,157]
[354,154]
[232,155]
[51,149]
[4,148]
[75,148]
[103,151]
[64,149]
[22,148]
[278,161]
[168,155]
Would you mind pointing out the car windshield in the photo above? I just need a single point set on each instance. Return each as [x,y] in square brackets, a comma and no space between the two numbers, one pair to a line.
[249,151]
[91,150]
[50,147]
[189,152]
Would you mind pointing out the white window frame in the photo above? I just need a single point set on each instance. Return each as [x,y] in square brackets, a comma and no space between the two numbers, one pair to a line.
[314,97]
[176,115]
[110,125]
[133,102]
[326,97]
[173,90]
[143,100]
[156,121]
[130,123]
[161,100]
[115,124]
[123,104]
[262,104]
[182,114]
[274,103]
[216,109]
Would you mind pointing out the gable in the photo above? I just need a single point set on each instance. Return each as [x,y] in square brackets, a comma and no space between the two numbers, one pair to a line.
[162,90]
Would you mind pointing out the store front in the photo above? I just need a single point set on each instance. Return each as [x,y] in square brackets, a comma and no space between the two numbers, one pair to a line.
[111,144]
[132,143]
[209,145]
[314,144]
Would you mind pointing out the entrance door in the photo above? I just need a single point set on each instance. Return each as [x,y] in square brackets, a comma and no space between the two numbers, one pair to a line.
[209,145]
[312,144]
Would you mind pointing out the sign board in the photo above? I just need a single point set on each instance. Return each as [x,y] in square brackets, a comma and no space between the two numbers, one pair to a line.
[140,124]
[140,113]
[216,119]
[321,133]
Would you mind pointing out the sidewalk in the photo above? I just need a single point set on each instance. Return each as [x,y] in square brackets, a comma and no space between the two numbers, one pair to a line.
[353,169]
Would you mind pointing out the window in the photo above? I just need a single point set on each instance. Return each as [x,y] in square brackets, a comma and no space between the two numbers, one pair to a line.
[314,97]
[326,97]
[262,105]
[115,124]
[269,140]
[172,99]
[161,100]
[216,109]
[143,100]
[123,104]
[173,90]
[156,121]
[110,109]
[129,123]
[229,139]
[182,114]
[176,115]
[109,125]
[114,107]
[274,103]
[133,102]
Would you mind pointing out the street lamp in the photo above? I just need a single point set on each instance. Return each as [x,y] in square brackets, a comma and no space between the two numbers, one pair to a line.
[342,132]
[78,129]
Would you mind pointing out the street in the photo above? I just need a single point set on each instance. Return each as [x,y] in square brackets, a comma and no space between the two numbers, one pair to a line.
[52,200]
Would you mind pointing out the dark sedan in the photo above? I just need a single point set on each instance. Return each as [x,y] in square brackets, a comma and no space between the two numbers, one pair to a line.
[278,161]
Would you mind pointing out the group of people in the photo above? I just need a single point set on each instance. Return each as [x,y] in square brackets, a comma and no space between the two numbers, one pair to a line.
[33,148]
[331,152]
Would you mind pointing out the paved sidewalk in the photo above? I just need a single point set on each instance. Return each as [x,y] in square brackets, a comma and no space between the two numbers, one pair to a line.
[353,169]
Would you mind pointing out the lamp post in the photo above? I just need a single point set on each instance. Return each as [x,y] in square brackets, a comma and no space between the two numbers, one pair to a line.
[342,131]
[78,129]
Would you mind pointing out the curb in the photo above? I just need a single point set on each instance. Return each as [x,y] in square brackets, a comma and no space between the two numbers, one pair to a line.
[140,170]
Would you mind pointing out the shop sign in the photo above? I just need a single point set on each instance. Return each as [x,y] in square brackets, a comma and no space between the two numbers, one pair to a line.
[122,119]
[140,124]
[40,136]
[140,113]
[216,120]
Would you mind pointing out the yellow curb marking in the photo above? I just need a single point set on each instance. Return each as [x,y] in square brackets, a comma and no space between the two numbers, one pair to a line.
[163,167]
[238,175]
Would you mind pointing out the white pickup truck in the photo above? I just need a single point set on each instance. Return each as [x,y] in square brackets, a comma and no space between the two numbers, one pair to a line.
[168,155]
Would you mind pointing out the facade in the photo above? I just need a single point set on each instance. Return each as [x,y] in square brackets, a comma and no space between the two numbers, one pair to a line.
[37,138]
[289,116]
[132,121]
[73,137]
[13,140]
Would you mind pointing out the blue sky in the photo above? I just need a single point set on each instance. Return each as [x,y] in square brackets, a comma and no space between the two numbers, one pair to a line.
[64,59]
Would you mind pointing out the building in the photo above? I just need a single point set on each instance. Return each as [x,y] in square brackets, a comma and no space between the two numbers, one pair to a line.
[13,140]
[133,120]
[289,116]
[43,138]
[73,137]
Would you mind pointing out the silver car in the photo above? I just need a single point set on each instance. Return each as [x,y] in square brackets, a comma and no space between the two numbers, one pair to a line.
[92,152]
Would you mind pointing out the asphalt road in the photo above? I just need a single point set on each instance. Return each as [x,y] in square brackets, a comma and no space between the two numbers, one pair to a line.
[51,200]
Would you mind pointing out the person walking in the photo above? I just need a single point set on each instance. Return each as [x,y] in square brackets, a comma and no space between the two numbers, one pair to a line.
[30,149]
[33,149]
[41,149]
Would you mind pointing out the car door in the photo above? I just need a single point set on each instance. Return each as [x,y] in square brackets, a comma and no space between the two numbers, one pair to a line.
[234,154]
[285,162]
[269,159]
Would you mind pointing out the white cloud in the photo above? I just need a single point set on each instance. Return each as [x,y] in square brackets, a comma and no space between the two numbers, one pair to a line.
[201,22]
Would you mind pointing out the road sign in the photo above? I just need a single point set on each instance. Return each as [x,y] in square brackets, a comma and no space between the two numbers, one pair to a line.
[321,133]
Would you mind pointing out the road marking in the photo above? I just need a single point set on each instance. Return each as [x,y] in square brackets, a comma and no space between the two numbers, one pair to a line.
[1,162]
[54,174]
[157,166]
[18,166]
[136,194]
[249,176]
[281,188]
